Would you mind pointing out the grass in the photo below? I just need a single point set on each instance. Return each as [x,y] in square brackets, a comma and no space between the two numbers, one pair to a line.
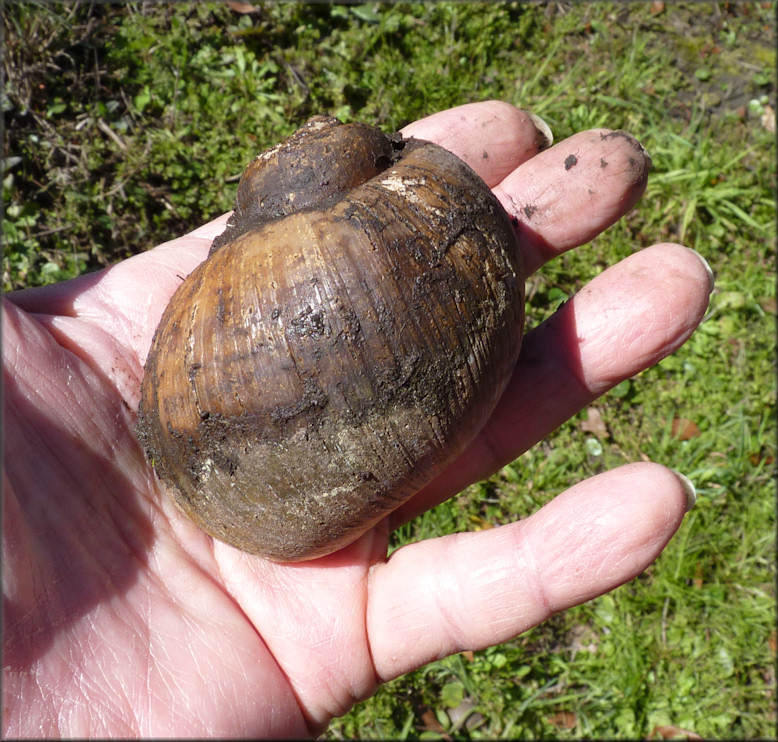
[127,125]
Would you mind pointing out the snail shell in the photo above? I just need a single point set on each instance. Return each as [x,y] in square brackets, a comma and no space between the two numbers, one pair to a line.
[347,337]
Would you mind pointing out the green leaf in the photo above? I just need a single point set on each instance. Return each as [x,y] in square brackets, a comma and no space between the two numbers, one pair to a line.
[498,660]
[725,662]
[366,13]
[622,390]
[731,300]
[142,99]
[452,694]
[556,295]
[56,108]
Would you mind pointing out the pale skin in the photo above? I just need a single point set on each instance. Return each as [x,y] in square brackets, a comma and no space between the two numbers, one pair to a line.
[121,618]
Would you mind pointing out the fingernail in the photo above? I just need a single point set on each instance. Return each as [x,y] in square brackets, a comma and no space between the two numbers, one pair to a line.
[545,137]
[688,488]
[711,276]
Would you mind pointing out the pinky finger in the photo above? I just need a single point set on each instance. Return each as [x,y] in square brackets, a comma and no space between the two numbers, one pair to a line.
[473,590]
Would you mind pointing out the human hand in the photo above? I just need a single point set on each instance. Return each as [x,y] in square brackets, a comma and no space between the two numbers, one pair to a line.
[121,618]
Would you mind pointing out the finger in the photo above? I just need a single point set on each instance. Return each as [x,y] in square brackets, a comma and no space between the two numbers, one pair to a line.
[473,590]
[628,318]
[492,137]
[568,194]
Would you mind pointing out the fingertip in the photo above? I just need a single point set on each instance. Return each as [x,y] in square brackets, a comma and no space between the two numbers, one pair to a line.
[693,270]
[650,303]
[211,229]
[627,516]
[706,275]
[674,493]
[637,160]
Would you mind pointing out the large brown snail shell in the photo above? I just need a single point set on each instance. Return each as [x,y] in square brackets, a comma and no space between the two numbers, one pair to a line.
[347,337]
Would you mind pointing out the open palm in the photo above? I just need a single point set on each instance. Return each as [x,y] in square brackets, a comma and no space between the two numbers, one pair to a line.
[121,618]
